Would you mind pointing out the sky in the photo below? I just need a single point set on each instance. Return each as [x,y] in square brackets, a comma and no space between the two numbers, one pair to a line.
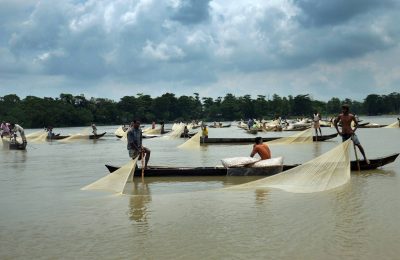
[116,48]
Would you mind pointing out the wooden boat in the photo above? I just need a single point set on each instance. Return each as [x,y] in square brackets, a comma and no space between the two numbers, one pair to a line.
[252,131]
[299,128]
[223,126]
[97,136]
[17,146]
[188,135]
[157,171]
[368,125]
[203,171]
[57,137]
[251,140]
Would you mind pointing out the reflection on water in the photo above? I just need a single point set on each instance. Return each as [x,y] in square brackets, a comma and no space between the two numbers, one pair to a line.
[139,200]
[261,195]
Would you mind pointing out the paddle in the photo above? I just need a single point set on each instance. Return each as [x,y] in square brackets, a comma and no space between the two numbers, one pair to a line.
[142,164]
[355,153]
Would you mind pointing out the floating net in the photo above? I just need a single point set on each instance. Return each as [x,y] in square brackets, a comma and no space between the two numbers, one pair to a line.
[34,134]
[192,143]
[393,125]
[305,136]
[155,131]
[42,138]
[328,171]
[177,130]
[5,141]
[120,131]
[115,181]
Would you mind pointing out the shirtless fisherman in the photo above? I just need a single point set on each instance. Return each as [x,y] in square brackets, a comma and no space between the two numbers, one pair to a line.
[261,148]
[347,131]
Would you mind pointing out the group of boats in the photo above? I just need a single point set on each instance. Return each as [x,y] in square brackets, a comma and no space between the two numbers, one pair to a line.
[179,131]
[255,126]
[13,144]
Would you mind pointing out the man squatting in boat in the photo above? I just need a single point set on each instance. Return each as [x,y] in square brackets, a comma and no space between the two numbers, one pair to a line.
[14,128]
[347,131]
[135,147]
[261,148]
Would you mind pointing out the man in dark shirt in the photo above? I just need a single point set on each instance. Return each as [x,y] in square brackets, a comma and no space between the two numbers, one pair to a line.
[135,146]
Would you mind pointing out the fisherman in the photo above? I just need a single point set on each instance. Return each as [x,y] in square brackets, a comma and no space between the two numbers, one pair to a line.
[347,132]
[5,129]
[14,128]
[317,126]
[135,146]
[94,129]
[50,133]
[204,132]
[261,148]
[153,125]
[250,123]
[162,127]
[185,131]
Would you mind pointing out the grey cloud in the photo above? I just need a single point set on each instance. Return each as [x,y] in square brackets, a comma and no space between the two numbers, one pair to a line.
[322,13]
[192,11]
[193,44]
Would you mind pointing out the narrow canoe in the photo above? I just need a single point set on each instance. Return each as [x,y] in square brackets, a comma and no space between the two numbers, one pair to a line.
[223,126]
[158,171]
[251,140]
[97,136]
[57,137]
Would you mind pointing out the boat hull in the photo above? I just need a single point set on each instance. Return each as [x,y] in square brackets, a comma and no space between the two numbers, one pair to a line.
[251,140]
[97,136]
[157,171]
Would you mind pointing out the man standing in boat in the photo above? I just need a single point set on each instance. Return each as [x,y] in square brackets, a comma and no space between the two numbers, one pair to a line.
[261,148]
[204,132]
[135,146]
[94,128]
[347,131]
[316,119]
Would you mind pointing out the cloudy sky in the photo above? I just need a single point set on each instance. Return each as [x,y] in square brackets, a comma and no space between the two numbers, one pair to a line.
[113,48]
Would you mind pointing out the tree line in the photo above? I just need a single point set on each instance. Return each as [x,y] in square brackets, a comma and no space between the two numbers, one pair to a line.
[70,110]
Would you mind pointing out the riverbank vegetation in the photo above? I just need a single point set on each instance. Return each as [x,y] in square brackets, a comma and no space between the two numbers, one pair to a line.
[70,110]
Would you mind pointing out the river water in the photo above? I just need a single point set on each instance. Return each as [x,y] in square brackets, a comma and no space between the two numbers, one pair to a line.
[45,215]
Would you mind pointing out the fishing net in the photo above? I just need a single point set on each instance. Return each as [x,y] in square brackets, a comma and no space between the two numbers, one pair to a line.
[328,171]
[192,143]
[393,125]
[155,131]
[114,181]
[176,131]
[38,139]
[5,141]
[34,134]
[305,136]
[120,131]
